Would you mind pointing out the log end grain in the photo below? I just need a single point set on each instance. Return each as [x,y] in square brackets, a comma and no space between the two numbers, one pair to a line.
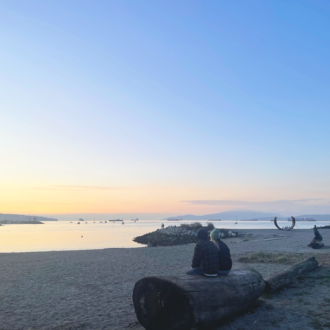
[160,304]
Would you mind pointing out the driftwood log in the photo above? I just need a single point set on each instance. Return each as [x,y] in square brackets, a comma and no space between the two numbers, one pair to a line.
[186,302]
[287,276]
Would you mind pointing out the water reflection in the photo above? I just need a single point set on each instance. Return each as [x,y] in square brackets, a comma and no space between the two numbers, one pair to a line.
[63,235]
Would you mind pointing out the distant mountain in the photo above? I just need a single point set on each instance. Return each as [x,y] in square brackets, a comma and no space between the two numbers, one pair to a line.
[279,218]
[317,217]
[231,215]
[18,217]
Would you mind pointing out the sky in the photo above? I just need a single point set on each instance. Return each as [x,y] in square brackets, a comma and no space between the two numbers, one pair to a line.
[164,107]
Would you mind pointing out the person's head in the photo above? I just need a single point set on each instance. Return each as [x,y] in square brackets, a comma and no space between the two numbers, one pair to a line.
[202,234]
[215,237]
[215,234]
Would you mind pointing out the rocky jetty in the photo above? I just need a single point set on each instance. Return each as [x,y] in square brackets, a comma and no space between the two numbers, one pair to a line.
[178,235]
[18,218]
[33,222]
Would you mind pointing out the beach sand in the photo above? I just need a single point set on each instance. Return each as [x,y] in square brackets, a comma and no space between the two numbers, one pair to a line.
[92,289]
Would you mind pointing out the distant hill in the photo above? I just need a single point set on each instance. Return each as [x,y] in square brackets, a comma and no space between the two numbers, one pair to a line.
[279,218]
[231,215]
[317,217]
[19,217]
[248,215]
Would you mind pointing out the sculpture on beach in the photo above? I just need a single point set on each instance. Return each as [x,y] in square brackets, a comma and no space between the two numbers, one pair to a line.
[285,228]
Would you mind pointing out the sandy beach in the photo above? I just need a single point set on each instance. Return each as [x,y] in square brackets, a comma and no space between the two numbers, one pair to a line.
[92,289]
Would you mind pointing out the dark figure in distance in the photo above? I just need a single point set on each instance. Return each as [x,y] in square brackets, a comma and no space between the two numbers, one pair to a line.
[316,242]
[317,235]
[205,260]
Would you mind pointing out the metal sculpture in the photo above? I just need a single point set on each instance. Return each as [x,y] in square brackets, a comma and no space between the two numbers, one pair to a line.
[292,225]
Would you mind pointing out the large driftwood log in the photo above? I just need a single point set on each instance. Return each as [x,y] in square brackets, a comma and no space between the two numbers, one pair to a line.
[287,276]
[186,302]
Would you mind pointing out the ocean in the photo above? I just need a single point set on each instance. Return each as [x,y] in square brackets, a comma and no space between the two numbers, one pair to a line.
[92,234]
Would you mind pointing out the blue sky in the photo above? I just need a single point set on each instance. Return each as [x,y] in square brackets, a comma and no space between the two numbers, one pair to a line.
[139,106]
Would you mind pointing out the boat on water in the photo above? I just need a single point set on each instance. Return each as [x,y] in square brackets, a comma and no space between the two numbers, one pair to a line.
[135,219]
[78,223]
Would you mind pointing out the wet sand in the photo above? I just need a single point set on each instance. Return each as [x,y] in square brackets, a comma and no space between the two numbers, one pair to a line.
[92,289]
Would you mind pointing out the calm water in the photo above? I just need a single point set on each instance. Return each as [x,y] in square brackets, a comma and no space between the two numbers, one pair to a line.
[63,235]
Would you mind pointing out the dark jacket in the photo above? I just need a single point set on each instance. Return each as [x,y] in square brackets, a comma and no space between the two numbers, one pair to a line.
[317,235]
[225,262]
[206,257]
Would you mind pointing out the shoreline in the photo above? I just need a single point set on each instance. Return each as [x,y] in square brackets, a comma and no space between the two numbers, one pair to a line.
[244,232]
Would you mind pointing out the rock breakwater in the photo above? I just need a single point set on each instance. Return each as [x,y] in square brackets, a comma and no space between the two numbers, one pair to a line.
[174,235]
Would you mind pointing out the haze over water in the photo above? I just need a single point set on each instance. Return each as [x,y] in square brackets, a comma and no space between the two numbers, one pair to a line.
[63,235]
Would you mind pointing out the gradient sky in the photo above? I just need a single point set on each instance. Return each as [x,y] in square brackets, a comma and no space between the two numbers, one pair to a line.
[164,106]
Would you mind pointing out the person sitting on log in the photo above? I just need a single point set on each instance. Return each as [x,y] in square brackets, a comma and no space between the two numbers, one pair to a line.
[317,235]
[205,261]
[225,262]
[316,242]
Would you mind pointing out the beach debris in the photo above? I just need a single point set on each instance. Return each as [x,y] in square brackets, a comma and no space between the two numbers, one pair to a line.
[287,276]
[287,227]
[133,323]
[186,302]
